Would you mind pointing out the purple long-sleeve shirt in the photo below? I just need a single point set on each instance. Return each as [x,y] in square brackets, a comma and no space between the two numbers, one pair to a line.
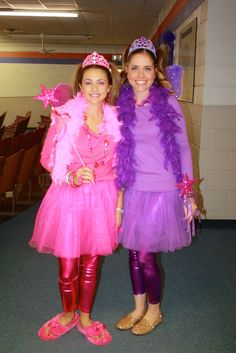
[151,175]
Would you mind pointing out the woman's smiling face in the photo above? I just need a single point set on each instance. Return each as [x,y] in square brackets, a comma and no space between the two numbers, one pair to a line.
[95,85]
[141,73]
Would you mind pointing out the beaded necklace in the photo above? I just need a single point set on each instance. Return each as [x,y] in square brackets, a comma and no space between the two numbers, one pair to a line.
[93,157]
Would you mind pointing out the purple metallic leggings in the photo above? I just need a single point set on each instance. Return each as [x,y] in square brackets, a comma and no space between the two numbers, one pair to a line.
[77,282]
[145,275]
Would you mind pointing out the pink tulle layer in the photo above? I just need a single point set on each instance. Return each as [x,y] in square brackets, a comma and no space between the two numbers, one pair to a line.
[77,221]
[154,222]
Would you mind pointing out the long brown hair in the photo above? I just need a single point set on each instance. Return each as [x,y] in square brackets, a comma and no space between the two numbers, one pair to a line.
[113,77]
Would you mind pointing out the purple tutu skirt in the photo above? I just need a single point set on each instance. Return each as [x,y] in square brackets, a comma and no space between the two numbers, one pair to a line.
[77,221]
[153,222]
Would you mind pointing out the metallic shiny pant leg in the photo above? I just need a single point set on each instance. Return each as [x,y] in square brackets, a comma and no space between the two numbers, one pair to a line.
[87,282]
[77,282]
[136,273]
[68,283]
[145,275]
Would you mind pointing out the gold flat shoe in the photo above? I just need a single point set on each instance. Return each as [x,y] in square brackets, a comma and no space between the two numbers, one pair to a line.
[127,322]
[144,326]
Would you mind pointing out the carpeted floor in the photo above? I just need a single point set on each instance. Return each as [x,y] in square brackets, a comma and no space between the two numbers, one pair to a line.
[198,303]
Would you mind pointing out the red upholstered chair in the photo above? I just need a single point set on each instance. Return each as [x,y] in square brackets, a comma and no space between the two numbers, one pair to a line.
[26,170]
[2,129]
[4,146]
[2,117]
[2,161]
[19,126]
[8,179]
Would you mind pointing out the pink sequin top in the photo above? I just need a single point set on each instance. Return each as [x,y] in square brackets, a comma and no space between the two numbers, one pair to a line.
[102,164]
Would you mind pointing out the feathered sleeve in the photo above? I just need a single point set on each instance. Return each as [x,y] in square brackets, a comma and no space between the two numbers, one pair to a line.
[47,159]
[68,119]
[55,131]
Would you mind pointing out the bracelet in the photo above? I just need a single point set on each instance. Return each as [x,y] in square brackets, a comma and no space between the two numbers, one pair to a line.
[119,210]
[69,179]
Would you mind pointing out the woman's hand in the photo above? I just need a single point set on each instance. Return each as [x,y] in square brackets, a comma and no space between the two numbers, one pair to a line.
[119,213]
[84,175]
[190,207]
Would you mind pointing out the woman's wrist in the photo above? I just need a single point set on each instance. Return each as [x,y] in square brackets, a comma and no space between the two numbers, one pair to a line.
[119,209]
[71,179]
[191,196]
[77,180]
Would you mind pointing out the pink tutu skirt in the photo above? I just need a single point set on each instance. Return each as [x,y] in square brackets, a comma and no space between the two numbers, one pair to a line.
[77,221]
[153,222]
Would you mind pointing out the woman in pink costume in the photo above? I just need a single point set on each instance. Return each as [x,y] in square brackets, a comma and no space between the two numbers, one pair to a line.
[153,158]
[77,218]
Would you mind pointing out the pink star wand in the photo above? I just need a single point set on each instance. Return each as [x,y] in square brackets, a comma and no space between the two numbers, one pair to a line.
[186,187]
[190,208]
[47,96]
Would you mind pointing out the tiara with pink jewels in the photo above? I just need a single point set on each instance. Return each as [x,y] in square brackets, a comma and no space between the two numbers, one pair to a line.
[95,59]
[142,43]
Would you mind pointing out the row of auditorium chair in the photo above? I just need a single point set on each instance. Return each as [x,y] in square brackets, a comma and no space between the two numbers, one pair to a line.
[24,141]
[18,127]
[2,118]
[20,124]
[20,170]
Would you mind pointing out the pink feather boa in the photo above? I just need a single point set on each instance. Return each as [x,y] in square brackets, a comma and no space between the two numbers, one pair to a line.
[69,118]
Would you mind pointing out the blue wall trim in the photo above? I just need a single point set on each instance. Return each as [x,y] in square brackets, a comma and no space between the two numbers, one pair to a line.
[40,61]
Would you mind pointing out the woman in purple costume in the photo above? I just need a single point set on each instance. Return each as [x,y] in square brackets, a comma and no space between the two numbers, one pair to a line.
[153,156]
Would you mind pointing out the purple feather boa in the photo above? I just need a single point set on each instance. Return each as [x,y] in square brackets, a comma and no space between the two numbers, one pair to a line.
[165,117]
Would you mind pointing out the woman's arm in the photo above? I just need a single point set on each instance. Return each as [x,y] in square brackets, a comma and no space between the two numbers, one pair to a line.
[185,154]
[119,208]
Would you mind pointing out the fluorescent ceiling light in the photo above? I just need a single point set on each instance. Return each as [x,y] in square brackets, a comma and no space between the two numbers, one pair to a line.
[38,13]
[48,36]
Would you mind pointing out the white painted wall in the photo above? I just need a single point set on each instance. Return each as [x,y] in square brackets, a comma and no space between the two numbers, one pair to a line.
[220,63]
[21,82]
[24,80]
[211,118]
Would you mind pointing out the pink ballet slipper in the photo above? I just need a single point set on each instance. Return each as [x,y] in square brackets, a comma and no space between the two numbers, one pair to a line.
[55,328]
[96,334]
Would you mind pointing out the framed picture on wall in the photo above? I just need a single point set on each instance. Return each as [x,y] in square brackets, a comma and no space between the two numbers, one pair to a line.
[187,55]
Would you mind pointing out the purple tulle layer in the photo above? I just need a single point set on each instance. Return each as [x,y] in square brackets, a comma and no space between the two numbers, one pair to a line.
[77,221]
[154,222]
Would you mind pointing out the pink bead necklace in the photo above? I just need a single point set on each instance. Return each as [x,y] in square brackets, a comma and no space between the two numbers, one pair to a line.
[93,157]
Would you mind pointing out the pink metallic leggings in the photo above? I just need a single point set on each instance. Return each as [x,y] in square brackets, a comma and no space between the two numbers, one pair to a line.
[145,275]
[77,282]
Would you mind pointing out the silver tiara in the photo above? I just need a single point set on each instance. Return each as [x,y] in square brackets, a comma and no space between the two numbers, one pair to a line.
[142,43]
